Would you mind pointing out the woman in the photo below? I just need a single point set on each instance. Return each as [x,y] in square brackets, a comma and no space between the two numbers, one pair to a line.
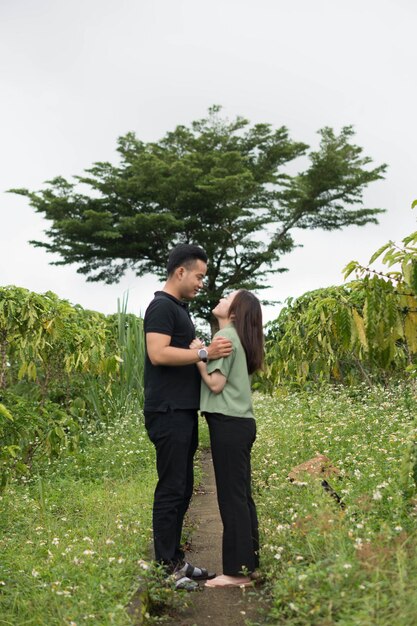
[227,405]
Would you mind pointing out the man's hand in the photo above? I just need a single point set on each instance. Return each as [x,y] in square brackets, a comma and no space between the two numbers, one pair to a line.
[220,347]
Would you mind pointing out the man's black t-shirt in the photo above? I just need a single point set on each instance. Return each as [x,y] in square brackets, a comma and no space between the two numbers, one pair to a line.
[170,387]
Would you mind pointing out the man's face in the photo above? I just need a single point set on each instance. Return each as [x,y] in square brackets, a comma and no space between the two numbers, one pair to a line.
[191,279]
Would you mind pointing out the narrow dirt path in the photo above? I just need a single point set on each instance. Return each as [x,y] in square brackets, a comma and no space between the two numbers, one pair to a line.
[214,607]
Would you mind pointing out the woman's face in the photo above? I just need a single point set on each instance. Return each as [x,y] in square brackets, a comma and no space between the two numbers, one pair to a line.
[221,310]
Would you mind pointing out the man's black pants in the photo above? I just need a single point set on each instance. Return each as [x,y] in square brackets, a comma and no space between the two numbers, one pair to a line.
[231,443]
[175,436]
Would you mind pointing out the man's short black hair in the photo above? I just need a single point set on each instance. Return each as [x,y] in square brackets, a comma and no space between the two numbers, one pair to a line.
[184,254]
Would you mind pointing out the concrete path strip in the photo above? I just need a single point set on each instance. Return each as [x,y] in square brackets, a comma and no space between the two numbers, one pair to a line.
[214,607]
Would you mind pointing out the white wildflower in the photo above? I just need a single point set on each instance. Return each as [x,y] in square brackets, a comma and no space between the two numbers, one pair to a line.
[282,527]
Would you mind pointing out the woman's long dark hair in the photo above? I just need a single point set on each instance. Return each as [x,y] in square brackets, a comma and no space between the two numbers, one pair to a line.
[246,314]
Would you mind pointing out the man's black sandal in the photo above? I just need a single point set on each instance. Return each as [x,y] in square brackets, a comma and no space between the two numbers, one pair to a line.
[189,570]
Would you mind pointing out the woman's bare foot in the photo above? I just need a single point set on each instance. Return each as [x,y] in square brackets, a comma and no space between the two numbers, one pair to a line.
[229,581]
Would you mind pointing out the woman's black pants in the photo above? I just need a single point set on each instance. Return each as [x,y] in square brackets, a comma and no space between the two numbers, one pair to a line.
[231,443]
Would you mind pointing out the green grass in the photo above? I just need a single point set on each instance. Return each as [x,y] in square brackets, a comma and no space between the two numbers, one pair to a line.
[72,537]
[323,565]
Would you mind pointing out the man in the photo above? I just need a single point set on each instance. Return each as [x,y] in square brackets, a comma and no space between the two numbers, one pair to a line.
[172,398]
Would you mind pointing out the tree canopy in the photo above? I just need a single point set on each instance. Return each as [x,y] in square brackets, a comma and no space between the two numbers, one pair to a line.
[222,184]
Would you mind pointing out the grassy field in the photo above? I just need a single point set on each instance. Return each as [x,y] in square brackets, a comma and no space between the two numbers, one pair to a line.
[73,536]
[324,565]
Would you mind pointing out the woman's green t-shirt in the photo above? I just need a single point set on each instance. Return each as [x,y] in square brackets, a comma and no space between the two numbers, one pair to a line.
[236,397]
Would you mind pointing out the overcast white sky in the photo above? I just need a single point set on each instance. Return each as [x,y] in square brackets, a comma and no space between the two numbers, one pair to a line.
[76,75]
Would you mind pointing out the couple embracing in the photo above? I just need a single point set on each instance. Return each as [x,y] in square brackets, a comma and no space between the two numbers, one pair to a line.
[181,376]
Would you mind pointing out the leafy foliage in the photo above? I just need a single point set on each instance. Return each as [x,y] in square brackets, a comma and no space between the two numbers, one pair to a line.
[222,184]
[363,330]
[61,367]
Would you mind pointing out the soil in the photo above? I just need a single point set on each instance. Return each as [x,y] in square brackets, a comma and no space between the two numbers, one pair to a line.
[214,607]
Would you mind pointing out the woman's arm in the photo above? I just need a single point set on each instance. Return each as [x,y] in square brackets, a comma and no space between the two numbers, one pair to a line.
[214,381]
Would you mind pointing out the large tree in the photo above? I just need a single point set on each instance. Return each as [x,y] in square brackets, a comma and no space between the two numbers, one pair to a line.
[222,184]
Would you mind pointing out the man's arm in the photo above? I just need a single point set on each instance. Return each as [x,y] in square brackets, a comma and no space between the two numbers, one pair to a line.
[160,351]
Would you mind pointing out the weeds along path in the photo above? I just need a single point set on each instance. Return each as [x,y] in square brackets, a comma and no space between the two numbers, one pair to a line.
[217,607]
